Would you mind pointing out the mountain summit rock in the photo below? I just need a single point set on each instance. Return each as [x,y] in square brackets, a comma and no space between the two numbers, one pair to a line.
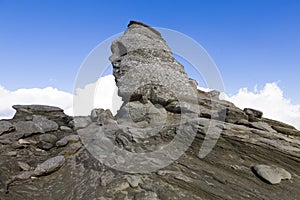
[169,140]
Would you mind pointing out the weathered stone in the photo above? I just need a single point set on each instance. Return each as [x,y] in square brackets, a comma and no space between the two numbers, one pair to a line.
[24,166]
[286,131]
[65,128]
[154,74]
[44,123]
[138,112]
[133,180]
[102,117]
[26,112]
[65,140]
[50,138]
[81,122]
[24,175]
[5,127]
[49,166]
[11,153]
[28,128]
[146,196]
[71,149]
[234,115]
[47,141]
[271,174]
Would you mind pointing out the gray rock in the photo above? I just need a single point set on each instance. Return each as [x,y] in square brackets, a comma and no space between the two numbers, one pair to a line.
[26,112]
[154,74]
[65,140]
[44,123]
[65,128]
[138,112]
[134,180]
[71,149]
[49,166]
[24,175]
[27,128]
[146,195]
[234,115]
[11,153]
[81,122]
[102,117]
[47,141]
[5,127]
[272,174]
[50,138]
[286,131]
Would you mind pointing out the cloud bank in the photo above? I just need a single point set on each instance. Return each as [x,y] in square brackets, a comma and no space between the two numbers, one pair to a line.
[103,94]
[46,96]
[271,101]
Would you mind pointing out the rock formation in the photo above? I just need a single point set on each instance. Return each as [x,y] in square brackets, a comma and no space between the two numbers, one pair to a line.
[150,149]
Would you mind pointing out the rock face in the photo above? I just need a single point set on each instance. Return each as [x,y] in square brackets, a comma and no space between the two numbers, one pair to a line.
[156,147]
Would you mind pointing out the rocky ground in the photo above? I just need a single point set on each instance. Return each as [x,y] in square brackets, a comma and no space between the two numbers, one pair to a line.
[45,154]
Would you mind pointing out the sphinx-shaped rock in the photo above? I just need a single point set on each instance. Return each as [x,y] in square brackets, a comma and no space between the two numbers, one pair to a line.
[145,69]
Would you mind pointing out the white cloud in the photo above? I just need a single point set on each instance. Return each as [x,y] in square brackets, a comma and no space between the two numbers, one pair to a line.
[102,94]
[271,101]
[45,96]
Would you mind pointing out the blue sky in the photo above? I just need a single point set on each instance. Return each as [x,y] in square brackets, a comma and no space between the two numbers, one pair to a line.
[43,43]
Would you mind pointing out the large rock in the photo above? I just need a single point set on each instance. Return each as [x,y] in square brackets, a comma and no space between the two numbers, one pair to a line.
[27,128]
[26,112]
[145,69]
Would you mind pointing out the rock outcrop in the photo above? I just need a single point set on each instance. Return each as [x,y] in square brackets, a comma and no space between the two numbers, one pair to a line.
[168,140]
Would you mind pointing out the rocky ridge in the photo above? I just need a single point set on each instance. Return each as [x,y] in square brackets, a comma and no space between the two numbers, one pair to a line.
[45,154]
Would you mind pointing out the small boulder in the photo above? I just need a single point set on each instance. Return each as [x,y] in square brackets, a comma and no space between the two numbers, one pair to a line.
[271,174]
[49,166]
